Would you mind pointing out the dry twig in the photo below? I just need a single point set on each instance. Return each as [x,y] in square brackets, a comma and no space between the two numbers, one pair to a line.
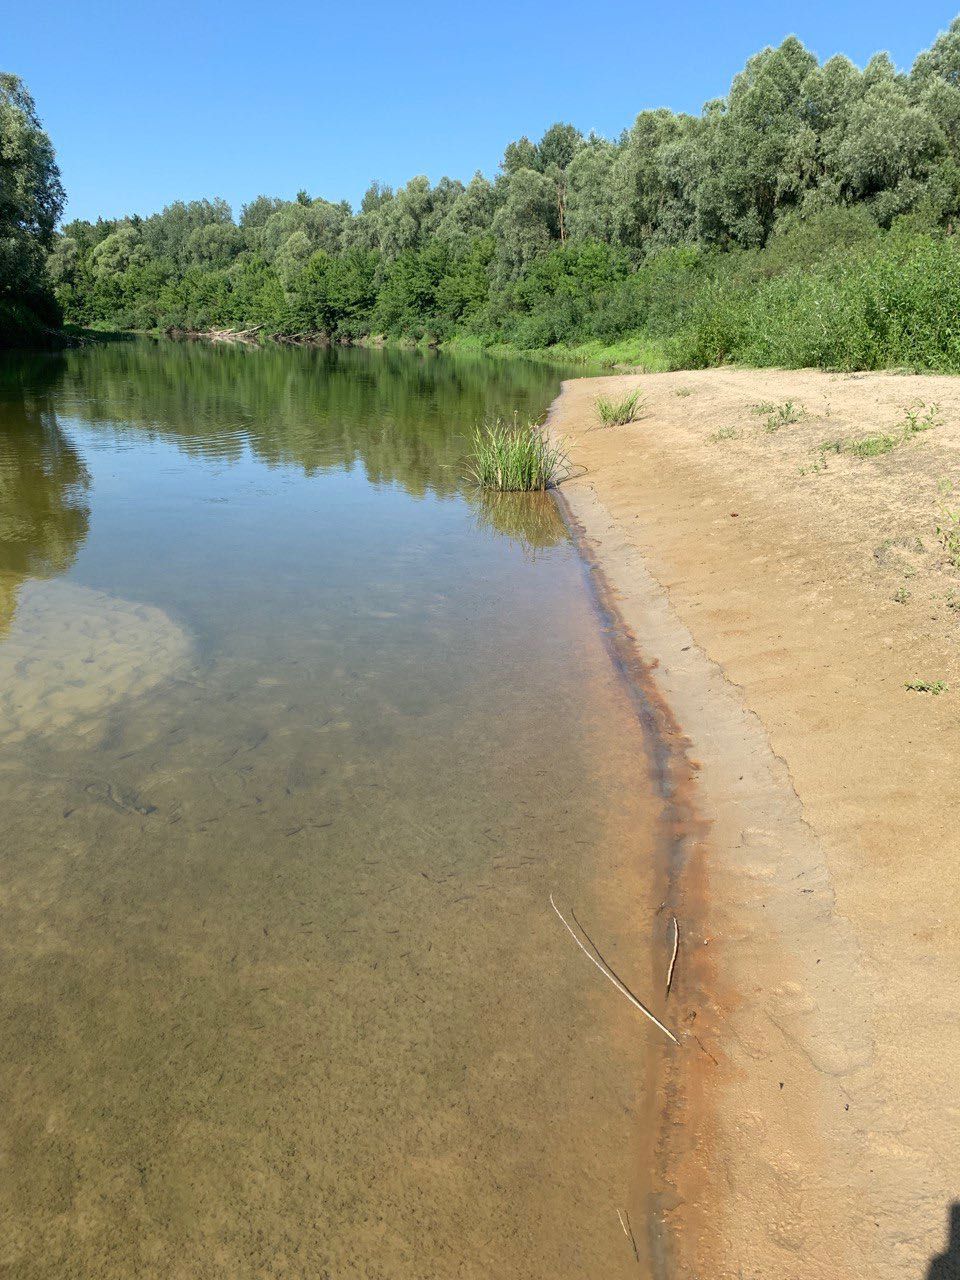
[673,958]
[609,973]
[628,1232]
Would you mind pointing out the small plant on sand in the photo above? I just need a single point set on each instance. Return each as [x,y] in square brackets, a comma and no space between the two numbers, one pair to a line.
[926,686]
[617,411]
[901,595]
[882,550]
[948,527]
[515,458]
[683,391]
[779,415]
[873,446]
[864,447]
[919,417]
[725,433]
[819,463]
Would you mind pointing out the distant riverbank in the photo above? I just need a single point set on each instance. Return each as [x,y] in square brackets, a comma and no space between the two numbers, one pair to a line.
[21,328]
[635,352]
[784,548]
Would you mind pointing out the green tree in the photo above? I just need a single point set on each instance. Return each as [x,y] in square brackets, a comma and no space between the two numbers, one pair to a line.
[750,169]
[31,199]
[525,224]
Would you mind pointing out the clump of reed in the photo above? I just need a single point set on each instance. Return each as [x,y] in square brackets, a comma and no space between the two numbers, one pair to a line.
[515,457]
[617,411]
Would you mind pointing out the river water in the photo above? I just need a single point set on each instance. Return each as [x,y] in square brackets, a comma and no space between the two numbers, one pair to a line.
[297,735]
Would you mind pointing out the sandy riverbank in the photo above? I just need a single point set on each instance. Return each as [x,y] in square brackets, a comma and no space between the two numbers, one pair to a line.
[789,593]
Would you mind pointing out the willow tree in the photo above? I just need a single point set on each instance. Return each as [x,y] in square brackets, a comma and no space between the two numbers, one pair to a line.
[31,196]
[525,224]
[470,215]
[655,180]
[406,221]
[590,212]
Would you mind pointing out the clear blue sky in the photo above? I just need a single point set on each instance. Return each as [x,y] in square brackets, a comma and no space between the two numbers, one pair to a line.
[150,102]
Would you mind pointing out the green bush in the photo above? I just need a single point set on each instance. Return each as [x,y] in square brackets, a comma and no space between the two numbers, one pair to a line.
[894,305]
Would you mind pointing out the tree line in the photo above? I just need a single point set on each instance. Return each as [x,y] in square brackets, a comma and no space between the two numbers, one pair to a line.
[801,170]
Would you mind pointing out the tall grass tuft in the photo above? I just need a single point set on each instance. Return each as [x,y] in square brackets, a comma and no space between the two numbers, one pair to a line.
[617,411]
[515,458]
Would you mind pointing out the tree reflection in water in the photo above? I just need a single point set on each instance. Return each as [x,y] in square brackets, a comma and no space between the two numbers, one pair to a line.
[44,511]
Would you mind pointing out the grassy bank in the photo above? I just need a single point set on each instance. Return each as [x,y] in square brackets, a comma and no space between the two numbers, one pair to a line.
[831,293]
[635,352]
[887,302]
[638,351]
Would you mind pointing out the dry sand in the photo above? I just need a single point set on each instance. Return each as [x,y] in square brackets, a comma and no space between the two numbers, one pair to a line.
[787,594]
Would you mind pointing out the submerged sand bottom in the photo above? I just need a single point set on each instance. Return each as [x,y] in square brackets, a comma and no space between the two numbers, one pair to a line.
[282,991]
[72,654]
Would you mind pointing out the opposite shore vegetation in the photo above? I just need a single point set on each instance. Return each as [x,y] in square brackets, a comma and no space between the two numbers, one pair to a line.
[806,219]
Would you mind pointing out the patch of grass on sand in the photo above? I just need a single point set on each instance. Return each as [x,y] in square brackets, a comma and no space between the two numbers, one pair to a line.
[926,686]
[948,533]
[916,419]
[724,433]
[779,415]
[515,458]
[617,411]
[872,446]
[920,417]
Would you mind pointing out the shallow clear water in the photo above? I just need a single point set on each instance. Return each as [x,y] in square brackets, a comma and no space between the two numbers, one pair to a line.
[297,734]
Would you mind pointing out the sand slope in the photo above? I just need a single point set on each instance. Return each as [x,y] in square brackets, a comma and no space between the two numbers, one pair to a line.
[790,593]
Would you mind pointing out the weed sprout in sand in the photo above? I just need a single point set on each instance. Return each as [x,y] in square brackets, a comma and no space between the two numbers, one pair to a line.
[512,457]
[617,411]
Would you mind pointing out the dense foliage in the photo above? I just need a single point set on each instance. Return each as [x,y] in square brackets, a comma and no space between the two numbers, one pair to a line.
[807,217]
[31,201]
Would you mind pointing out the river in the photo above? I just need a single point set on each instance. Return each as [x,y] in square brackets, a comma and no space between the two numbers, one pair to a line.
[297,736]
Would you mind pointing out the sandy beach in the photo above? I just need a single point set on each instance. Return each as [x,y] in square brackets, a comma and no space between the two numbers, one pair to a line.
[782,546]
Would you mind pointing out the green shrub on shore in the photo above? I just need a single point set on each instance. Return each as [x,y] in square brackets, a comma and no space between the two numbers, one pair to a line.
[892,305]
[515,458]
[617,411]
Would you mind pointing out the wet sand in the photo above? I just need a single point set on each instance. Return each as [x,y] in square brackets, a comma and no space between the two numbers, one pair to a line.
[787,594]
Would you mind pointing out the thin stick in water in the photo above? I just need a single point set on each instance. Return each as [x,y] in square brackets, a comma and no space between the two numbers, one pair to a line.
[608,973]
[673,958]
[628,1232]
